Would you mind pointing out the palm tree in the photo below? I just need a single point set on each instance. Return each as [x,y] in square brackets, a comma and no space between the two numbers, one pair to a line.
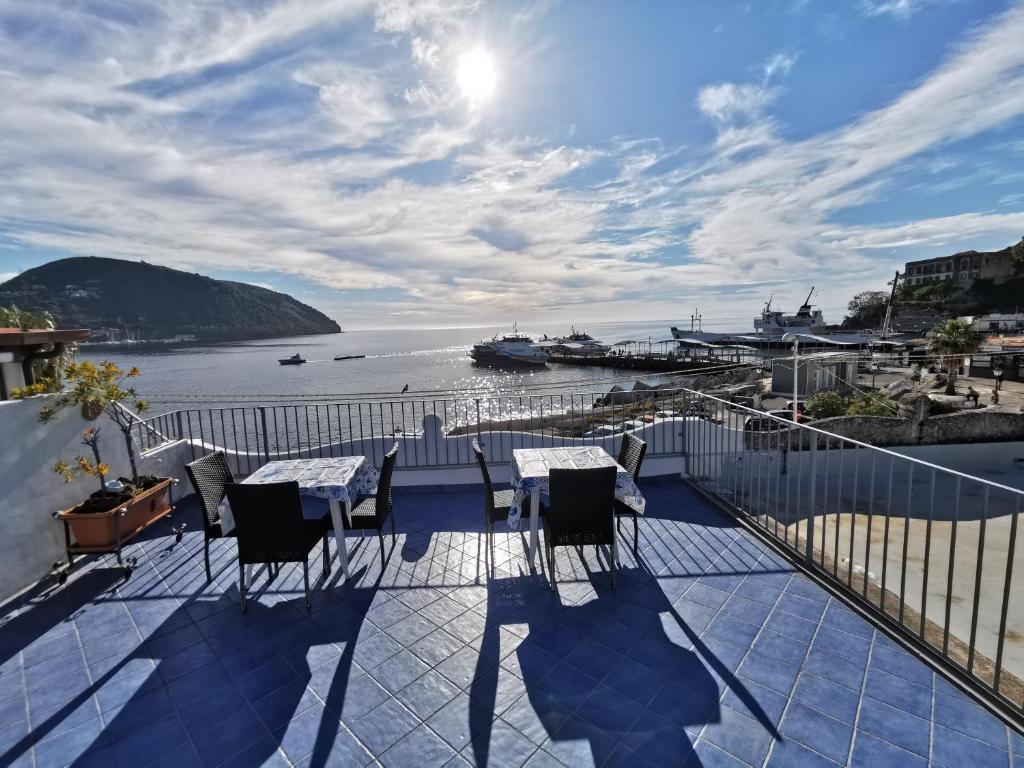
[952,341]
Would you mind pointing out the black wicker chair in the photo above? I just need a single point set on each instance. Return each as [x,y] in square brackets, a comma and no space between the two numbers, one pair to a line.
[375,510]
[580,512]
[270,529]
[211,476]
[631,455]
[496,503]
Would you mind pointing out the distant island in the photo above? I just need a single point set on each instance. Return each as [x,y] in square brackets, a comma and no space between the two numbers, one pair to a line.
[128,300]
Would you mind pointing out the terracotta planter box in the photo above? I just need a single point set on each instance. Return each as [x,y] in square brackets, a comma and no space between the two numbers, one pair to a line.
[106,531]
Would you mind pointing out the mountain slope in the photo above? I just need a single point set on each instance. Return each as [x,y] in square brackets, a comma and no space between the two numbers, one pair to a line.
[159,302]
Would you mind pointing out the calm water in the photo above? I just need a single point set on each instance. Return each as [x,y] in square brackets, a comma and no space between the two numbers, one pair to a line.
[433,363]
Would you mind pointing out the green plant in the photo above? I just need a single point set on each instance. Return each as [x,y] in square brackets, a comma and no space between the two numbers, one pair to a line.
[952,341]
[825,405]
[872,404]
[83,466]
[99,387]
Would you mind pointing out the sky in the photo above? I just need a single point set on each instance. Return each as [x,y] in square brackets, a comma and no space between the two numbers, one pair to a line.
[431,163]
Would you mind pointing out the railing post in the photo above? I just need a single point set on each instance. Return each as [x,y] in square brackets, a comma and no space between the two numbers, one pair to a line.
[809,554]
[181,429]
[266,443]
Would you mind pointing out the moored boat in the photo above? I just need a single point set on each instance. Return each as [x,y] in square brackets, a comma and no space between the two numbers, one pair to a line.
[509,351]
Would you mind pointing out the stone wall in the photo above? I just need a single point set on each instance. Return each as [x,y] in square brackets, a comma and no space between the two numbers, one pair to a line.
[981,426]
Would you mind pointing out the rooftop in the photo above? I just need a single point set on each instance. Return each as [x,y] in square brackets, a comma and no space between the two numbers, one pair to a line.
[711,651]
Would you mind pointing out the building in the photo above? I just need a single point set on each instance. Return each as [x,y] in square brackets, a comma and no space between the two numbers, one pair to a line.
[20,348]
[962,269]
[816,373]
[997,322]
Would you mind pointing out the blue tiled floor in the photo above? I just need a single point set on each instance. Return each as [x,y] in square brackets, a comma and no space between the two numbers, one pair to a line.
[711,651]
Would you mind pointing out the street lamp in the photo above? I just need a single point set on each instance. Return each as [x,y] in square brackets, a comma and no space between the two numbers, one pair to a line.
[796,351]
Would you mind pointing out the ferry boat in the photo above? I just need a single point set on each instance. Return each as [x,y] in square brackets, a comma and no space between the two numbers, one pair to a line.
[578,343]
[295,359]
[509,350]
[808,319]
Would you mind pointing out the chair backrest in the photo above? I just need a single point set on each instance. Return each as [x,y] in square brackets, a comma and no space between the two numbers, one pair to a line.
[488,487]
[631,454]
[582,506]
[268,521]
[210,476]
[387,468]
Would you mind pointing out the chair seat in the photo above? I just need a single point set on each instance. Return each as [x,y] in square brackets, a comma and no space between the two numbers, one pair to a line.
[622,508]
[504,499]
[503,503]
[364,515]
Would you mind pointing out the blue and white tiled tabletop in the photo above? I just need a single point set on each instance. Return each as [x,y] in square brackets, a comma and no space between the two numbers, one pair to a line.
[530,467]
[343,479]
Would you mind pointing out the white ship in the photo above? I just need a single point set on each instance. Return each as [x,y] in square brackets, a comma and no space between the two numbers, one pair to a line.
[577,343]
[509,350]
[773,322]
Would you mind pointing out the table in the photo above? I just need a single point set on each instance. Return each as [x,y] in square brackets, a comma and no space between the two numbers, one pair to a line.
[530,467]
[340,480]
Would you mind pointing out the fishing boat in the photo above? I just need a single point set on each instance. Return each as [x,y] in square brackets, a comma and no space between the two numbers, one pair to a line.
[511,350]
[295,359]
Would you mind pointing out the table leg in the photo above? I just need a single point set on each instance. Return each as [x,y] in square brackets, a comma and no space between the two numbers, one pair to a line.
[339,531]
[534,517]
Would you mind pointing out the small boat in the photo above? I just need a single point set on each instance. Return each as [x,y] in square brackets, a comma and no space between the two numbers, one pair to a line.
[295,359]
[349,357]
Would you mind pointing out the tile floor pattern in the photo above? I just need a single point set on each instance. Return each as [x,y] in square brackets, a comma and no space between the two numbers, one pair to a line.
[711,652]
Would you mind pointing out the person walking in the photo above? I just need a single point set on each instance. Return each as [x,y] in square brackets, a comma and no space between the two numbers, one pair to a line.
[997,372]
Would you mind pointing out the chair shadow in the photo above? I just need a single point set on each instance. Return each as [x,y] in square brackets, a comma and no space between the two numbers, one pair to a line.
[269,631]
[557,689]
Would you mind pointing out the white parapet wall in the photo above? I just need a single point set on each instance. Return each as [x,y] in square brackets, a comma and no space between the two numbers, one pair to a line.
[433,458]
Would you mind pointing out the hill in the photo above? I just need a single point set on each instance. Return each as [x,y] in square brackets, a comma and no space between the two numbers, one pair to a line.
[159,302]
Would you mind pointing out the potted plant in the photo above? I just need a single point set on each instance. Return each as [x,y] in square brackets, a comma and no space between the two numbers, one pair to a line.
[118,509]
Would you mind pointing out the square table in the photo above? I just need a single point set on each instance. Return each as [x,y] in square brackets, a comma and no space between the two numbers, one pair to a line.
[530,467]
[340,480]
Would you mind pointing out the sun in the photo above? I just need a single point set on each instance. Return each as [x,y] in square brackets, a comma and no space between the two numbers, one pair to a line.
[476,75]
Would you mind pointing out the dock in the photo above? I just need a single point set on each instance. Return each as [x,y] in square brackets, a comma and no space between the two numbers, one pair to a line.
[653,363]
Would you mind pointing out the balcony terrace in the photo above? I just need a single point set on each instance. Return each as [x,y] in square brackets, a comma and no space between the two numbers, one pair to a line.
[713,650]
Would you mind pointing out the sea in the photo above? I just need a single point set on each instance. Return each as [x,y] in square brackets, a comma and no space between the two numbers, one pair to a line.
[431,363]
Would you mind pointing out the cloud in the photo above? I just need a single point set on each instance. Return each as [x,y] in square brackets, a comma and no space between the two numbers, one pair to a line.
[729,102]
[898,8]
[213,140]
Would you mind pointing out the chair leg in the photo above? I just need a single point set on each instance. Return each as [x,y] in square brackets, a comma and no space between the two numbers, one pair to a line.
[206,558]
[241,584]
[636,536]
[380,536]
[392,527]
[490,544]
[614,553]
[305,583]
[618,523]
[551,566]
[327,559]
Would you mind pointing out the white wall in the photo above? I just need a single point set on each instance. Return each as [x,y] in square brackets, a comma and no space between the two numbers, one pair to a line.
[435,458]
[30,492]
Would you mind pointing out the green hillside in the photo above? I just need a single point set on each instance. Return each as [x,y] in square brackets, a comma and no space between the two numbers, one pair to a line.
[159,302]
